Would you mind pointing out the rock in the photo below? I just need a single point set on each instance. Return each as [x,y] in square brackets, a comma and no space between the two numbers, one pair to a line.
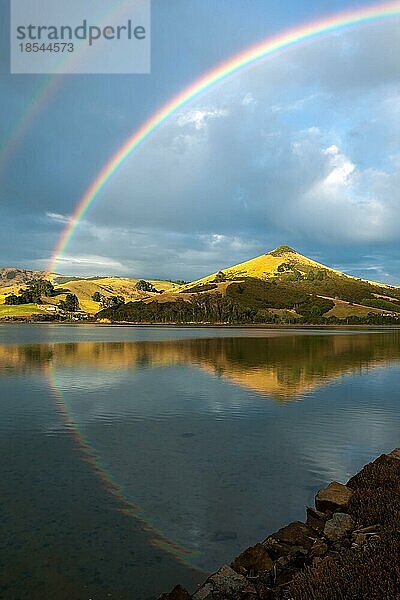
[319,548]
[275,550]
[315,519]
[225,584]
[295,534]
[335,496]
[254,560]
[178,593]
[338,527]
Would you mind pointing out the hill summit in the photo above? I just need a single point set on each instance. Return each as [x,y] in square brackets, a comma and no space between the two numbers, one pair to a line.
[282,250]
[282,259]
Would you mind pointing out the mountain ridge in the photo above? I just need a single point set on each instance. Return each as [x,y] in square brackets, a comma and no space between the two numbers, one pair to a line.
[267,265]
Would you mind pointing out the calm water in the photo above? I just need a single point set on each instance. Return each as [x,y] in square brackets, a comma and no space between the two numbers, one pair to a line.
[136,458]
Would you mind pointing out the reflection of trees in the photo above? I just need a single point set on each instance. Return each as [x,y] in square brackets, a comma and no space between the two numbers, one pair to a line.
[281,365]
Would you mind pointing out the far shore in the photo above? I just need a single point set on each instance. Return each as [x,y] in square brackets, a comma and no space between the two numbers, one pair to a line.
[262,326]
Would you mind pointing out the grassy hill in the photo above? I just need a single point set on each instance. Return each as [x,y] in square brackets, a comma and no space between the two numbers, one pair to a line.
[279,286]
[283,261]
[12,280]
[10,276]
[84,289]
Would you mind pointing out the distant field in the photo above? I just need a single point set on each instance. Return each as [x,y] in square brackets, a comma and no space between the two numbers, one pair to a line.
[344,309]
[22,310]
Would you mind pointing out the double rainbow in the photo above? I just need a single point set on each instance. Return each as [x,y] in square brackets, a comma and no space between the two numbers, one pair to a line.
[232,66]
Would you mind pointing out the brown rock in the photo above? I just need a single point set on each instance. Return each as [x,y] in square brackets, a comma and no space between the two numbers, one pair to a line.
[295,534]
[254,559]
[225,584]
[335,496]
[315,519]
[275,550]
[178,593]
[338,527]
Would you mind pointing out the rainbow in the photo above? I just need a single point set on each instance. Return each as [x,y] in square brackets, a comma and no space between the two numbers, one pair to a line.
[125,506]
[234,65]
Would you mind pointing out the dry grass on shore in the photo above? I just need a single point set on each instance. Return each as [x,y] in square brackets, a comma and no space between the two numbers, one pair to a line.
[373,571]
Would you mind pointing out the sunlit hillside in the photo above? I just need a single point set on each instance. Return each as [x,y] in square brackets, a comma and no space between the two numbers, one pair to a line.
[272,264]
[12,280]
[281,286]
[109,286]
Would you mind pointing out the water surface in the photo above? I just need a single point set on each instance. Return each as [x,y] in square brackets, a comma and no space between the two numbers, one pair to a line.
[134,458]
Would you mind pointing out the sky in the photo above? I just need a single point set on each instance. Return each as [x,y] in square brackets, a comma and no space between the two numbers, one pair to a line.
[301,149]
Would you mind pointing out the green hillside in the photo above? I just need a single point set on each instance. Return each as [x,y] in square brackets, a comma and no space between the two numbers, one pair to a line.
[281,286]
[12,281]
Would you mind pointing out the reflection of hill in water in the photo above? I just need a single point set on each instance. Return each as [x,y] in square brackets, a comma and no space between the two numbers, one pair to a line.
[283,366]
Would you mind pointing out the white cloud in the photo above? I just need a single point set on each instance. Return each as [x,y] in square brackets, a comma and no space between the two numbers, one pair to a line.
[200,117]
[249,100]
[302,147]
[341,167]
[90,260]
[58,218]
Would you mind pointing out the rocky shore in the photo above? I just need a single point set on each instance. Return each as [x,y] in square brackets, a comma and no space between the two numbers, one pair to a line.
[348,548]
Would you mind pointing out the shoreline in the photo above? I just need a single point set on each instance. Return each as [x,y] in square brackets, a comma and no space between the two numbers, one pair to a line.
[347,547]
[261,326]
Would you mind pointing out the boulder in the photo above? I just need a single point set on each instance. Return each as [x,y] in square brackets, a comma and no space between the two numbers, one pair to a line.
[315,519]
[338,527]
[178,593]
[335,496]
[254,560]
[295,534]
[275,549]
[225,584]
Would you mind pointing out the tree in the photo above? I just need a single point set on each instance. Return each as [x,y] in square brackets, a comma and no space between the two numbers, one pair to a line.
[97,297]
[145,286]
[12,300]
[33,292]
[111,301]
[70,304]
[220,276]
[37,287]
